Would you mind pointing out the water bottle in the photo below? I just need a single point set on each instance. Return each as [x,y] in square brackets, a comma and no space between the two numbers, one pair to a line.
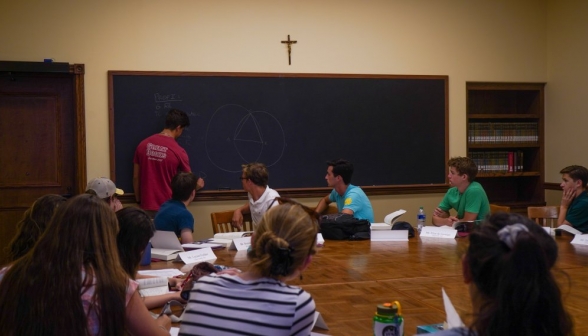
[421,217]
[388,320]
[146,257]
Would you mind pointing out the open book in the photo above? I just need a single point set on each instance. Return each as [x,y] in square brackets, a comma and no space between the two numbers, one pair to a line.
[153,286]
[393,217]
[569,229]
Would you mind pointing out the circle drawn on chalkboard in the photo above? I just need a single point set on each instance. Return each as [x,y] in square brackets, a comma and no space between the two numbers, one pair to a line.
[236,135]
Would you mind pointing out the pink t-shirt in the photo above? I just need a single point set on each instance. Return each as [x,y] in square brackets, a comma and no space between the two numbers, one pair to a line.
[159,158]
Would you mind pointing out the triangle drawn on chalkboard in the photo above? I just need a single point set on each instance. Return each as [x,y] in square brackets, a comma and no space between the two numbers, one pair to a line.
[248,130]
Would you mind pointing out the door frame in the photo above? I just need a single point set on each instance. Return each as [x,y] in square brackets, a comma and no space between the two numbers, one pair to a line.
[77,72]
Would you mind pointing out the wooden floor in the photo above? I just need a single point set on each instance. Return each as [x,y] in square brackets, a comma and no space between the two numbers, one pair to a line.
[347,279]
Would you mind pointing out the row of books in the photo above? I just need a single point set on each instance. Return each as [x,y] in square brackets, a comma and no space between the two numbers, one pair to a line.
[498,161]
[502,132]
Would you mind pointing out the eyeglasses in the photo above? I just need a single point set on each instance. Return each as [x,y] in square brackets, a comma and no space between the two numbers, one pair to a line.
[243,178]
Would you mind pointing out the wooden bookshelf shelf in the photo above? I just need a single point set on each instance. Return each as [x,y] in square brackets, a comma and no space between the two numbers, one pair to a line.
[503,116]
[507,174]
[497,113]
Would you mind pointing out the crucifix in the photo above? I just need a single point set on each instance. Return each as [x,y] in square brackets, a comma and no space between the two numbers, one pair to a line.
[289,49]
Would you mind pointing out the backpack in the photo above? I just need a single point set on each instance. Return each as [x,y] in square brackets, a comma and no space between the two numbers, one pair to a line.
[342,226]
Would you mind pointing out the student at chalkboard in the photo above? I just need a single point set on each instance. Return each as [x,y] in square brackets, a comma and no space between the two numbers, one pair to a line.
[157,160]
[254,177]
[173,214]
[467,197]
[350,199]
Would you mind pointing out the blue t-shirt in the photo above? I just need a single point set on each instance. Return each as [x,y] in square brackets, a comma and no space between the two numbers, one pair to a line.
[356,200]
[173,216]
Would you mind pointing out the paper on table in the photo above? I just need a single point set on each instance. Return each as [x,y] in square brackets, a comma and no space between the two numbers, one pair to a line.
[174,331]
[453,319]
[445,232]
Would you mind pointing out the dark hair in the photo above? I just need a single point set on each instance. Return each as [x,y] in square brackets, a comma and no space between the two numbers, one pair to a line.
[176,118]
[577,173]
[512,273]
[283,239]
[257,173]
[342,168]
[41,291]
[33,223]
[136,228]
[464,165]
[182,186]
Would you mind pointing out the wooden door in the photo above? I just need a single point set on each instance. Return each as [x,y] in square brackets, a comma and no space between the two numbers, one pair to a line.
[42,147]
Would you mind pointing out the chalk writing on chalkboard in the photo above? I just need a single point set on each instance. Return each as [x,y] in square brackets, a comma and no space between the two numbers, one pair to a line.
[235,135]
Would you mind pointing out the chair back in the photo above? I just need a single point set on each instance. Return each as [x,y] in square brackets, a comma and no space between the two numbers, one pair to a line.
[494,208]
[221,222]
[544,216]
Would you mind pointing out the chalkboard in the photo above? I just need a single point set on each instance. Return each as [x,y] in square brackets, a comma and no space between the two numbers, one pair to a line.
[394,129]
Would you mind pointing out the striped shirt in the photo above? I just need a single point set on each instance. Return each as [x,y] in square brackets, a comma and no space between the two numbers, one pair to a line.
[228,305]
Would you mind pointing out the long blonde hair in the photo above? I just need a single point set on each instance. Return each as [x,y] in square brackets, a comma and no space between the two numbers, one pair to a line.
[283,240]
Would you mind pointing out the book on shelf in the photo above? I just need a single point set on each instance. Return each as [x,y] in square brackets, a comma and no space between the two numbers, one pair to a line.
[503,132]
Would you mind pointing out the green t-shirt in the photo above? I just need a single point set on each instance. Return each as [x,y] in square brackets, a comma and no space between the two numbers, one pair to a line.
[472,200]
[577,214]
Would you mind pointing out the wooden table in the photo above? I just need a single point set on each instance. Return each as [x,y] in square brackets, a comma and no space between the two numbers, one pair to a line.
[347,279]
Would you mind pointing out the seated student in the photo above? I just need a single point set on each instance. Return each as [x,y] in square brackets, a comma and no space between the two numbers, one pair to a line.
[258,301]
[173,215]
[574,202]
[135,230]
[254,178]
[467,197]
[507,267]
[350,199]
[105,189]
[33,223]
[72,283]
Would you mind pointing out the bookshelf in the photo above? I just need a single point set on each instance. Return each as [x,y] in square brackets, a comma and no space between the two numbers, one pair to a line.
[505,137]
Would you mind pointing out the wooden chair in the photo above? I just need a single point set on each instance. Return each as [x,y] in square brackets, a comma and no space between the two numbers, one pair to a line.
[544,216]
[494,208]
[221,222]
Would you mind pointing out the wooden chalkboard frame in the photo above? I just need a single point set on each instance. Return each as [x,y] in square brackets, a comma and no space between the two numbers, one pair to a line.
[288,192]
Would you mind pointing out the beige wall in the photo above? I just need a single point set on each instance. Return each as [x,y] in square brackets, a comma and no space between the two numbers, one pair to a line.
[485,40]
[567,88]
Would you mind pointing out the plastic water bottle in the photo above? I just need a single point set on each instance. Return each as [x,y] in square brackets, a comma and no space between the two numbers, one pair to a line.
[421,217]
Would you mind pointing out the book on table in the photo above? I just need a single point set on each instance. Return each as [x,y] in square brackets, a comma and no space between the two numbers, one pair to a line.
[153,286]
[569,229]
[165,245]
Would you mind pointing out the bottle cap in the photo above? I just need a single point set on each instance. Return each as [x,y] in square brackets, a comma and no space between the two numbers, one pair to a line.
[387,309]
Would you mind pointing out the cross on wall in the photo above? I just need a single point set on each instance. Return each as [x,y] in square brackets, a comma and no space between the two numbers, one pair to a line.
[289,42]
